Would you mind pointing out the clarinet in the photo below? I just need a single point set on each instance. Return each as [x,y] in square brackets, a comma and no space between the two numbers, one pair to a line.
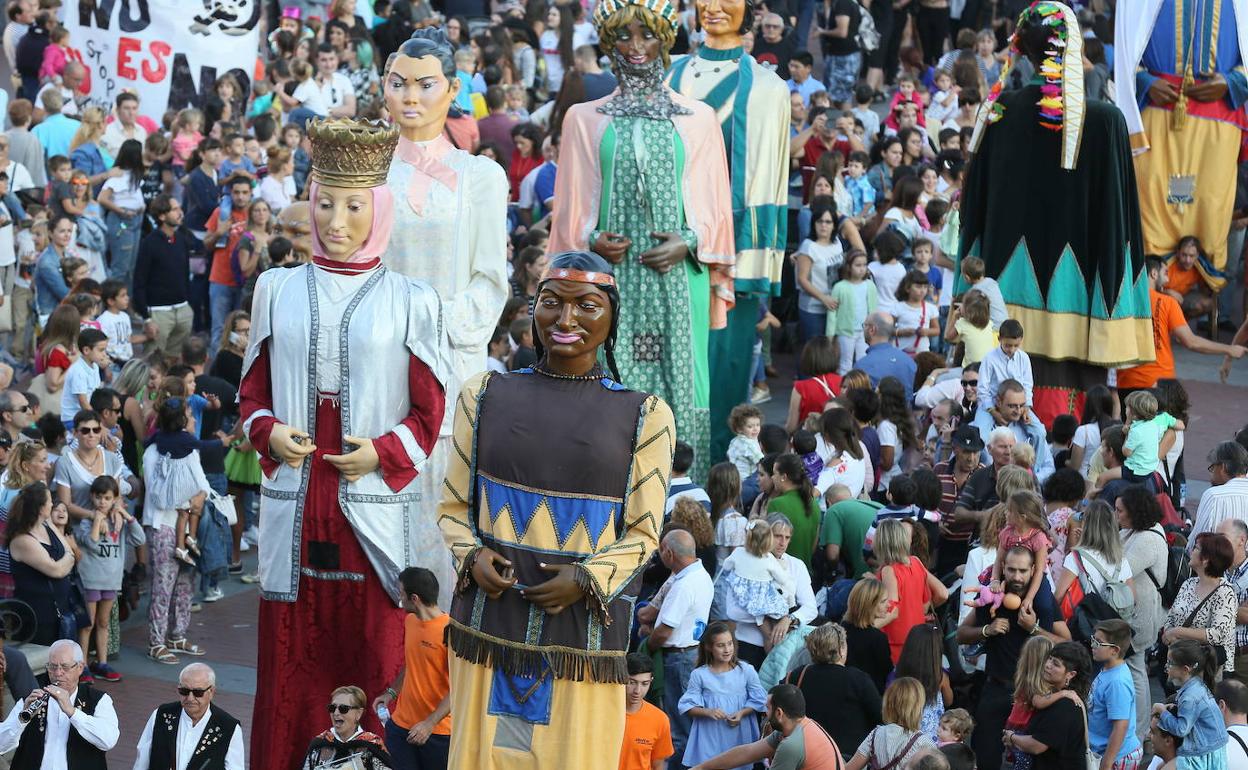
[35,709]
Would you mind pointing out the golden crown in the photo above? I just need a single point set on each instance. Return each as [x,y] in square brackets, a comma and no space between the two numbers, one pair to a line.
[351,153]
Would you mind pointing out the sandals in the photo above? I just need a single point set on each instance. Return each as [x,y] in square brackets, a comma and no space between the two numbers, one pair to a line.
[192,545]
[184,647]
[160,653]
[181,555]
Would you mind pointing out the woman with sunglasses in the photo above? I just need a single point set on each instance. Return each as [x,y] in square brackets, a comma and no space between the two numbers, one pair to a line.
[346,738]
[85,459]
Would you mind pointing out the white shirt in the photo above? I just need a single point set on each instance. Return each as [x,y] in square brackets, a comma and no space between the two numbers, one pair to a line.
[81,379]
[115,135]
[99,729]
[188,739]
[921,317]
[69,105]
[947,386]
[277,194]
[1235,754]
[748,630]
[119,329]
[13,34]
[887,278]
[1217,504]
[308,94]
[996,368]
[334,92]
[687,606]
[1088,436]
[125,194]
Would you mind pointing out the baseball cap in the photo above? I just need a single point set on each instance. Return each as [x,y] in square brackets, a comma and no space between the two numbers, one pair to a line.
[967,437]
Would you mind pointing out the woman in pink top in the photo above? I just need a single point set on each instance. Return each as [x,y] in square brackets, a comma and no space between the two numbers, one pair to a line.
[909,585]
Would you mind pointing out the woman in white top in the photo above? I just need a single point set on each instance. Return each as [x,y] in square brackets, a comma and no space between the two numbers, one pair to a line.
[1098,413]
[122,201]
[818,261]
[556,45]
[901,216]
[977,560]
[278,188]
[1098,558]
[845,457]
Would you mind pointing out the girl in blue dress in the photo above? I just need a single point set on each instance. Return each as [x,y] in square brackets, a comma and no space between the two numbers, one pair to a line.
[723,697]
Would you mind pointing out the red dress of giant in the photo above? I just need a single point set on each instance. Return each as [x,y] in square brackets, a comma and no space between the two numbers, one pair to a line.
[338,632]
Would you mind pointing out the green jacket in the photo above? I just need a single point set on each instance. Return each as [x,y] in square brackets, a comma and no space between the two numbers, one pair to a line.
[841,320]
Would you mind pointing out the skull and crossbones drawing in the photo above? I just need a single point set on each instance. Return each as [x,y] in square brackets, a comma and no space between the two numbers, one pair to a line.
[231,17]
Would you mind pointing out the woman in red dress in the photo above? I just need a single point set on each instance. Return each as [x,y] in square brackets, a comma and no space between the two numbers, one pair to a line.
[820,383]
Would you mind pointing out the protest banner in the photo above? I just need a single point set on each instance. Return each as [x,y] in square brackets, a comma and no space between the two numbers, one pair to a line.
[167,51]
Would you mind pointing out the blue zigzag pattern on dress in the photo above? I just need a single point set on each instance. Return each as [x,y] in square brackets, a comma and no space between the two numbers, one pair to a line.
[522,505]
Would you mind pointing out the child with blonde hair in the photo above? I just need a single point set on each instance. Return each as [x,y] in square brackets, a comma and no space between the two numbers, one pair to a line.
[187,134]
[1026,525]
[955,726]
[759,583]
[1023,455]
[1144,426]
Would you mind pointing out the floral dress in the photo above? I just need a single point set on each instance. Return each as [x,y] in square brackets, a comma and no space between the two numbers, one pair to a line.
[664,323]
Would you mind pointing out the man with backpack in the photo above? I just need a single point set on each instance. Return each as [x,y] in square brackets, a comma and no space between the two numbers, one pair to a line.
[1236,530]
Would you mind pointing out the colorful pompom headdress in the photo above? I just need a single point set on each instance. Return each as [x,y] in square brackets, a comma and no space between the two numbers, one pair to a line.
[1061,71]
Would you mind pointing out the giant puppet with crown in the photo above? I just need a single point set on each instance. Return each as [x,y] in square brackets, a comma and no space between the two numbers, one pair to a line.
[343,434]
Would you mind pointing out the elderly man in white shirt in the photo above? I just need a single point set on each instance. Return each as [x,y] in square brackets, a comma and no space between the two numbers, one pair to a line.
[191,728]
[686,605]
[67,725]
[1228,497]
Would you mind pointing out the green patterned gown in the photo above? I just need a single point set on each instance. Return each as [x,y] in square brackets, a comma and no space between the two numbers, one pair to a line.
[661,346]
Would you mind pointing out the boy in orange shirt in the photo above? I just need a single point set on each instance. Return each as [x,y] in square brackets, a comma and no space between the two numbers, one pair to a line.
[418,732]
[647,733]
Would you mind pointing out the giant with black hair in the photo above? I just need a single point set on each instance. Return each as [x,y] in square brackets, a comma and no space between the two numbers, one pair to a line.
[431,41]
[587,262]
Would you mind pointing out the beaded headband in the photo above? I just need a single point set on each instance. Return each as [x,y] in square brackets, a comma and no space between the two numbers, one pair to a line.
[1062,100]
[579,276]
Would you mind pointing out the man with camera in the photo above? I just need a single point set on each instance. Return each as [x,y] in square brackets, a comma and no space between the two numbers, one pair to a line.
[64,725]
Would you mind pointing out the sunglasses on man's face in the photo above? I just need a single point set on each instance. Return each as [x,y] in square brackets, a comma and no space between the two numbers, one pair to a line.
[970,383]
[198,692]
[342,708]
[89,431]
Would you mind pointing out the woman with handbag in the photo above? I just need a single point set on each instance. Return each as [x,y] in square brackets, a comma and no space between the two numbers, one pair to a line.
[1194,716]
[1058,735]
[42,563]
[891,745]
[1204,609]
[1144,548]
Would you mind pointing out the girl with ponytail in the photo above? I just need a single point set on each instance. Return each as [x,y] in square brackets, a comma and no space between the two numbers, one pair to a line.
[794,495]
[1192,667]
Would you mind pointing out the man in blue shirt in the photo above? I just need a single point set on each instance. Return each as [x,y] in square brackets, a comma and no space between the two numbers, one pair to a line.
[883,359]
[56,131]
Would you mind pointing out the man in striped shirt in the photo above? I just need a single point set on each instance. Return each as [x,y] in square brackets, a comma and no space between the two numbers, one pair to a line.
[953,474]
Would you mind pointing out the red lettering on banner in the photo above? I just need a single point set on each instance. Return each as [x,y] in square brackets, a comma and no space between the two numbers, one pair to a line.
[154,68]
[160,50]
[125,47]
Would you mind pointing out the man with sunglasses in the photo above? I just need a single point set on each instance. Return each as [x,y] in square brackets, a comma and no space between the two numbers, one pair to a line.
[73,725]
[14,414]
[190,728]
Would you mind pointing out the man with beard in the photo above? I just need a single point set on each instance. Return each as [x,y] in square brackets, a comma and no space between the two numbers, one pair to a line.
[796,742]
[1003,634]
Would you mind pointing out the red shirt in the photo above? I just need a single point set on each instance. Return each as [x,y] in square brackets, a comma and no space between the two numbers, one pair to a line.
[221,272]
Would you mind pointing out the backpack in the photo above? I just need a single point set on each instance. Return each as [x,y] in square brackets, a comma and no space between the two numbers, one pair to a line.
[1116,593]
[1178,570]
[868,37]
[1090,607]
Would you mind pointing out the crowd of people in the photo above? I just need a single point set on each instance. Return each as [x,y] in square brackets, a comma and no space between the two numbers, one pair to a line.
[911,570]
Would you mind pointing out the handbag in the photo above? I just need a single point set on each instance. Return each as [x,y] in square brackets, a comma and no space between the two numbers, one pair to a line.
[1161,650]
[895,761]
[1091,757]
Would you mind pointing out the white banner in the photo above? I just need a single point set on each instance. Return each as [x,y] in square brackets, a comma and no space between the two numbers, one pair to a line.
[168,51]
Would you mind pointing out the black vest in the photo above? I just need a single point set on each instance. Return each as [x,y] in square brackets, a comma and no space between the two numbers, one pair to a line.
[78,752]
[213,745]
